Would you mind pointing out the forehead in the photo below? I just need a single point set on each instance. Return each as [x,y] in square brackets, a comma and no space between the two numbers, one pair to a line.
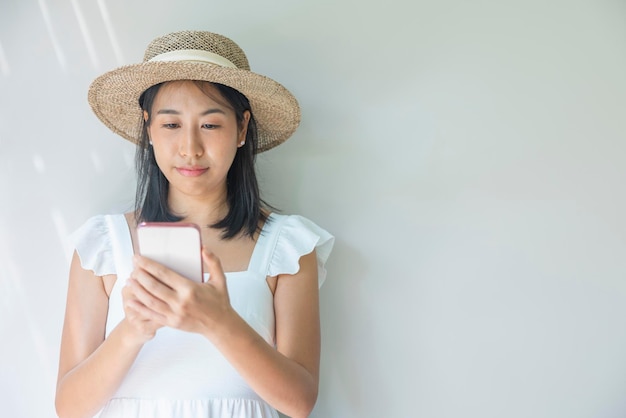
[189,93]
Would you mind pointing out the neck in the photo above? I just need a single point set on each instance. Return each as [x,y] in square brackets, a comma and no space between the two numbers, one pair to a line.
[201,210]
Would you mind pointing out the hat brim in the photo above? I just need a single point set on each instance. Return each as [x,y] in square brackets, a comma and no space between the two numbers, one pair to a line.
[114,97]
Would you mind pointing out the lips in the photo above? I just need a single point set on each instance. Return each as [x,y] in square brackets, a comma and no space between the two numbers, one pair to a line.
[191,171]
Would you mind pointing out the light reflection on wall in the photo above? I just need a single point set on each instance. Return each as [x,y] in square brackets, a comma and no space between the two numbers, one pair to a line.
[108,24]
[84,29]
[18,319]
[97,163]
[52,34]
[63,233]
[57,168]
[4,64]
[39,164]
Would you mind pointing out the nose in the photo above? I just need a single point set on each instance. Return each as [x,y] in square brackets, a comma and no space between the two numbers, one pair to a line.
[191,143]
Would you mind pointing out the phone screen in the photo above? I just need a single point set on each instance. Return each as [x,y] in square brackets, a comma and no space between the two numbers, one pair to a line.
[175,245]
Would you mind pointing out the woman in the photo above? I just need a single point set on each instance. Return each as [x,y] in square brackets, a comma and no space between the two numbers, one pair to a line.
[140,340]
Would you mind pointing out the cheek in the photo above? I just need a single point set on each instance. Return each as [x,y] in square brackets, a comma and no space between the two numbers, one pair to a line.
[160,162]
[162,155]
[226,156]
[225,148]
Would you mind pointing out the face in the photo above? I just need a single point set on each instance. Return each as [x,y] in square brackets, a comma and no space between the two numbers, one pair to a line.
[195,136]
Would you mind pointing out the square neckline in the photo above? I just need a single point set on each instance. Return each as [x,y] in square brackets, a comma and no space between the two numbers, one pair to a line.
[252,261]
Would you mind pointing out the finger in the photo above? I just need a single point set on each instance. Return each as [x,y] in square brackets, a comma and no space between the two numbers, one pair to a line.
[129,299]
[143,314]
[153,284]
[136,312]
[146,298]
[127,292]
[133,310]
[166,276]
[214,267]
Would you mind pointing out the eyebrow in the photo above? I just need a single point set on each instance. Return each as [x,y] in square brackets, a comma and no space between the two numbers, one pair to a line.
[176,112]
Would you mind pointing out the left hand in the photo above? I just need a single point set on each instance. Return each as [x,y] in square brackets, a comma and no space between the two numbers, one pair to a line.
[175,301]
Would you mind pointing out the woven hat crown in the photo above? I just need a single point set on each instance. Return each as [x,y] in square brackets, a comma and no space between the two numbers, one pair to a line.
[203,41]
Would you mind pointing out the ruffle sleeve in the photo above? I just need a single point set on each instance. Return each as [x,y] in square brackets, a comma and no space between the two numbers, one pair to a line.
[299,236]
[92,242]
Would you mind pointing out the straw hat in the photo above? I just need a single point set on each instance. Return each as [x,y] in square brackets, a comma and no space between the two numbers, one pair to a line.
[193,55]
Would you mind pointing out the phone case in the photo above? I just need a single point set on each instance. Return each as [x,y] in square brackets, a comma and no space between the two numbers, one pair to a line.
[175,245]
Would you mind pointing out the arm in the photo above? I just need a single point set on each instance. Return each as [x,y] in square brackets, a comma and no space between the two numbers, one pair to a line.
[90,367]
[286,377]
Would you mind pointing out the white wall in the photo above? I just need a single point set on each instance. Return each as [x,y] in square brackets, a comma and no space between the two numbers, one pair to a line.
[469,157]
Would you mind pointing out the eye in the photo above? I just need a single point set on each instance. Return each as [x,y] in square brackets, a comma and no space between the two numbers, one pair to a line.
[209,126]
[170,125]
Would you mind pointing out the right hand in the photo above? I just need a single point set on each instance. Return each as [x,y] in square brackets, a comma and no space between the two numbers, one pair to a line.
[143,328]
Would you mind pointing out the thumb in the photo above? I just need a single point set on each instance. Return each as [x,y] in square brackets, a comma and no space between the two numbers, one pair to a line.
[214,268]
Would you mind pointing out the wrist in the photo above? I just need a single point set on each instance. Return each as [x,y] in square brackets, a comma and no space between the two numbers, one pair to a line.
[220,327]
[129,337]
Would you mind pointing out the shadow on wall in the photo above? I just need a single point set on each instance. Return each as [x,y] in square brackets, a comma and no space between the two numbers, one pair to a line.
[347,352]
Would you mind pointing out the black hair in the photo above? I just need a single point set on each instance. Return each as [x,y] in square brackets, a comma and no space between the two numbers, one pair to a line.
[245,206]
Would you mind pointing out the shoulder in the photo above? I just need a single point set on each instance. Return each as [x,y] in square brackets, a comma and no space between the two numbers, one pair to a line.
[298,229]
[93,242]
[97,227]
[101,221]
[292,236]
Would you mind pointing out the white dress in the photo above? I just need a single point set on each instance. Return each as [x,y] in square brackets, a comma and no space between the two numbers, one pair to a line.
[179,374]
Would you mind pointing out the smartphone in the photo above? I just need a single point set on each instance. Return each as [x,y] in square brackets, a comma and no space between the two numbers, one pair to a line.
[175,245]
